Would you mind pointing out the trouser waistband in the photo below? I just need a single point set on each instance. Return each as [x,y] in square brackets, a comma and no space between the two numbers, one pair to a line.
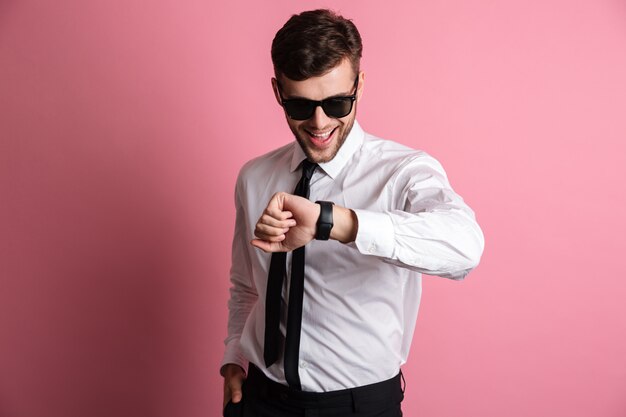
[388,391]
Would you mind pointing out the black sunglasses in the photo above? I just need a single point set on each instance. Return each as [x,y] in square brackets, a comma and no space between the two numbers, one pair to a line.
[303,109]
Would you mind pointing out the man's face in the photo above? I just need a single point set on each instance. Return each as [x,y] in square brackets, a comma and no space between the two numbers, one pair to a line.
[321,136]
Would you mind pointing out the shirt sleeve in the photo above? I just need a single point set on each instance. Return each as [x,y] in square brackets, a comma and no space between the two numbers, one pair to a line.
[429,228]
[243,294]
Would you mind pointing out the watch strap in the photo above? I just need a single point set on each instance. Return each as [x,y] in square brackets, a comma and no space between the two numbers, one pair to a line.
[325,221]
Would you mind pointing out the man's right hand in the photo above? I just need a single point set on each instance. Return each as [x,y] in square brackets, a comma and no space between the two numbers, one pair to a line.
[287,223]
[234,376]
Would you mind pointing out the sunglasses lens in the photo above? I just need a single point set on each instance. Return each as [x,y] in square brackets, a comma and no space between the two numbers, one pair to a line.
[337,107]
[300,109]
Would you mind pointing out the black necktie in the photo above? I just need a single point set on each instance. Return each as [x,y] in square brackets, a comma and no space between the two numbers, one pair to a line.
[296,292]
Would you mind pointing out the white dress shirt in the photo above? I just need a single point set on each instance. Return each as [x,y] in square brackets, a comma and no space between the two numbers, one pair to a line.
[360,299]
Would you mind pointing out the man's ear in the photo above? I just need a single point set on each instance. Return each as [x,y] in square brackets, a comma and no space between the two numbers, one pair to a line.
[276,92]
[359,92]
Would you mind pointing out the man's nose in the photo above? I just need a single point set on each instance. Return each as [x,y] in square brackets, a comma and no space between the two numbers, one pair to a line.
[319,118]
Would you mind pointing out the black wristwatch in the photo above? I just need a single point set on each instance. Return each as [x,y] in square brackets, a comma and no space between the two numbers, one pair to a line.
[325,221]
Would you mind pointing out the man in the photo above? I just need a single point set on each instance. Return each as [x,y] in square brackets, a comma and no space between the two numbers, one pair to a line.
[327,278]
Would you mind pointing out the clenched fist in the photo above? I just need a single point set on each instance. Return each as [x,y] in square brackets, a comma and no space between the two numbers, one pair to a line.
[287,223]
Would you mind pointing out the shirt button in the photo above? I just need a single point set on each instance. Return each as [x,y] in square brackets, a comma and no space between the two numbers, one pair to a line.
[303,364]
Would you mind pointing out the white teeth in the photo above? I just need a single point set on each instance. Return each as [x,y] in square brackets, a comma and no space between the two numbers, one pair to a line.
[322,135]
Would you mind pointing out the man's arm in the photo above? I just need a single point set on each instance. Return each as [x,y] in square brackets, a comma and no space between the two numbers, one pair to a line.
[289,222]
[433,232]
[243,296]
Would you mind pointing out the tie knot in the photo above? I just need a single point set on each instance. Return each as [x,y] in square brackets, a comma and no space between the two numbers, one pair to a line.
[308,168]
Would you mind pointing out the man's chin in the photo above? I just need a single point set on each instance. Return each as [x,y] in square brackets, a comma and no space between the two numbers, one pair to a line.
[326,154]
[319,156]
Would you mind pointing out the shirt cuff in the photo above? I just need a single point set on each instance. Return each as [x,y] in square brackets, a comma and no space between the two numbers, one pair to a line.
[375,235]
[233,354]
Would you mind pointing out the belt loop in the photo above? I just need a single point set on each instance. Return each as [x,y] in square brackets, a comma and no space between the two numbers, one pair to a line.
[355,402]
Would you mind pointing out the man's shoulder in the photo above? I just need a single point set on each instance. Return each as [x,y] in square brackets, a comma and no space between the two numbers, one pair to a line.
[389,150]
[397,159]
[268,162]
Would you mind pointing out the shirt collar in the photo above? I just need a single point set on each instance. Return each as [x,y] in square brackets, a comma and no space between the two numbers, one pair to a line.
[333,167]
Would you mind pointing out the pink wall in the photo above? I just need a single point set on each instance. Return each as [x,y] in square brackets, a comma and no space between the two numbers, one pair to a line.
[123,125]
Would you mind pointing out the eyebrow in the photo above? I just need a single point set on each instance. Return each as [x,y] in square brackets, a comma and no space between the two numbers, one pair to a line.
[296,97]
[325,98]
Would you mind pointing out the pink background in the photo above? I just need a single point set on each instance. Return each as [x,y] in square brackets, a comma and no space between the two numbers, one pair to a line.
[123,125]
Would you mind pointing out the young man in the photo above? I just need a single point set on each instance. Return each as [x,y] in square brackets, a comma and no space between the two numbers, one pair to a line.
[327,278]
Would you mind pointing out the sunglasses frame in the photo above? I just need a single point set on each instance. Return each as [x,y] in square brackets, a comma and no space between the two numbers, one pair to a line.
[319,103]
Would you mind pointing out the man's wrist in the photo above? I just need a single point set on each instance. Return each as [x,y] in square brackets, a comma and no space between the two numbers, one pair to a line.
[345,226]
[229,368]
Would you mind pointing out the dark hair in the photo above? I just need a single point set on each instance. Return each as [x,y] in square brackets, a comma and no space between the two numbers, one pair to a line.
[312,43]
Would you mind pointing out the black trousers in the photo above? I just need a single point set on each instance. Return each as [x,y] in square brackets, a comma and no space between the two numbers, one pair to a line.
[263,397]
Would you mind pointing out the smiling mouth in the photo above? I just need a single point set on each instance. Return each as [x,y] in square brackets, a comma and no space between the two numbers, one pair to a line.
[321,138]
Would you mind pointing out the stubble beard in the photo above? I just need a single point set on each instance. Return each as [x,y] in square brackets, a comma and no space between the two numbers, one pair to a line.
[312,155]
